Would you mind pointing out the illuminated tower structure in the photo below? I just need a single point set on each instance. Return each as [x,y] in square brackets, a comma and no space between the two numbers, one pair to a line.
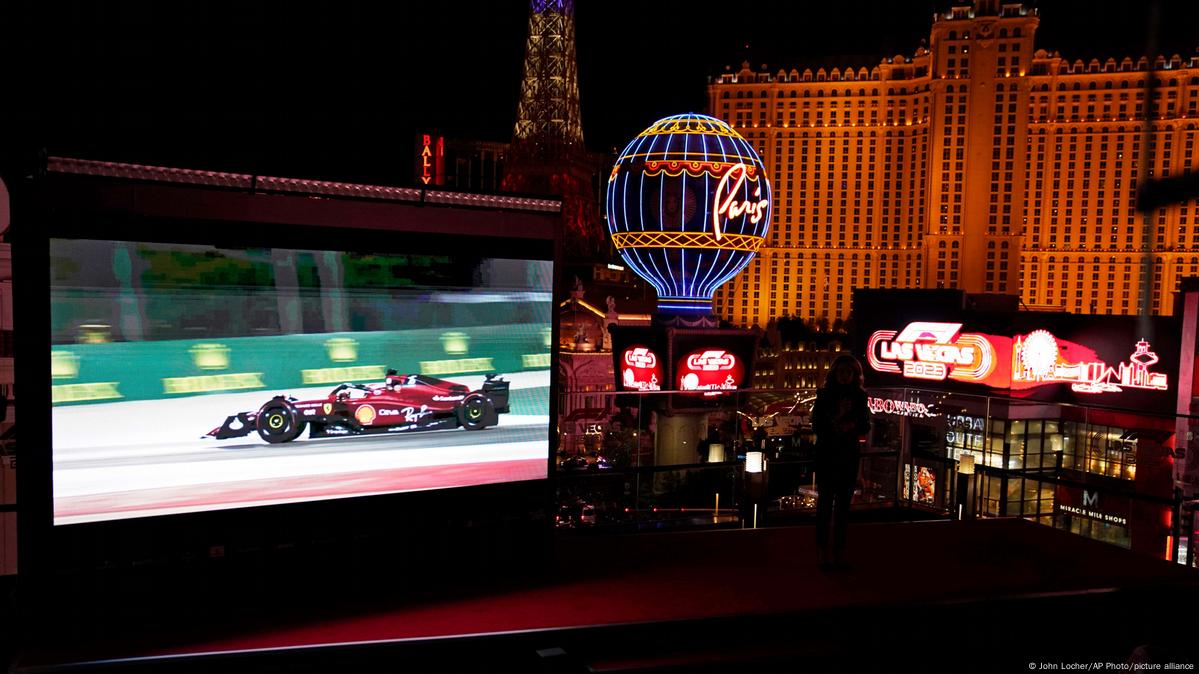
[976,162]
[547,154]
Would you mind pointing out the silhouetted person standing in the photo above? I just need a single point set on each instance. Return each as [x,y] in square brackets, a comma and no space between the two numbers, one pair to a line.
[841,420]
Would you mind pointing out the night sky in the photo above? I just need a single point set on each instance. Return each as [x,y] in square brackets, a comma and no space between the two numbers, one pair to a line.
[338,90]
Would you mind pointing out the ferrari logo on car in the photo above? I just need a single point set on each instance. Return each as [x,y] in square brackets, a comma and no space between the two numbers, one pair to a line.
[327,408]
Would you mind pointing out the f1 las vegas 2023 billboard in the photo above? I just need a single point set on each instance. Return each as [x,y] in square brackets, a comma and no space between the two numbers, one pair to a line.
[1057,357]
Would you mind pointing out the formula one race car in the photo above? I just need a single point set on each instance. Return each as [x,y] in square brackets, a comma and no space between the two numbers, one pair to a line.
[401,403]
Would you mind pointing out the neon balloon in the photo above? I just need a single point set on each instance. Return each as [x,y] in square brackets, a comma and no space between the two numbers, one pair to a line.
[688,207]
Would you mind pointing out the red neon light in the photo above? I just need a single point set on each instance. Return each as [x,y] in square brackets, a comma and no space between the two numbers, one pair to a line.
[932,351]
[1037,359]
[923,370]
[432,160]
[710,370]
[641,369]
[426,156]
[939,351]
[696,169]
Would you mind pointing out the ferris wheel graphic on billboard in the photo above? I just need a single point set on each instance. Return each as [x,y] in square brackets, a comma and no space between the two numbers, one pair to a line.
[1036,359]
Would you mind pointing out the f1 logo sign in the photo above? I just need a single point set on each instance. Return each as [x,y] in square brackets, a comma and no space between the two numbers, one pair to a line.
[640,357]
[923,331]
[934,351]
[710,361]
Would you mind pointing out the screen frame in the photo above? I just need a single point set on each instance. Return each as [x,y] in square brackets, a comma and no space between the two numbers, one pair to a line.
[65,206]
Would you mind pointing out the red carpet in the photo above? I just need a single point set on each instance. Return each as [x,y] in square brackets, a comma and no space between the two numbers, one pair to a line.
[680,576]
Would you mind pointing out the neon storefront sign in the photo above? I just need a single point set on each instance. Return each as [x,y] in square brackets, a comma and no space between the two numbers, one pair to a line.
[641,369]
[1036,359]
[432,160]
[932,351]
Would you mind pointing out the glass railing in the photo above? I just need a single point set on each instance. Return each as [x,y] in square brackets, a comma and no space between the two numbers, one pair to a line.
[653,460]
[658,460]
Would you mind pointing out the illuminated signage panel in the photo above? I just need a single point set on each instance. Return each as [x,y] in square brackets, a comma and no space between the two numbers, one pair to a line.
[1038,359]
[710,370]
[932,351]
[941,351]
[430,159]
[641,369]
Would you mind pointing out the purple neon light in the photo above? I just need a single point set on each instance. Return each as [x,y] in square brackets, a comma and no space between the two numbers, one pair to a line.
[540,6]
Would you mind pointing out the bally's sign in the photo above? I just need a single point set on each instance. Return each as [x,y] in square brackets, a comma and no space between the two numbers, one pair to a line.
[932,351]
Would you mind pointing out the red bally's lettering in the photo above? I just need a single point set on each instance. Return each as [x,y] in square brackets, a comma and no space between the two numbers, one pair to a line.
[425,165]
[725,204]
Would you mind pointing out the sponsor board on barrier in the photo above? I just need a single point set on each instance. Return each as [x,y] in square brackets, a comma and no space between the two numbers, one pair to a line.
[456,366]
[330,375]
[535,360]
[69,393]
[212,382]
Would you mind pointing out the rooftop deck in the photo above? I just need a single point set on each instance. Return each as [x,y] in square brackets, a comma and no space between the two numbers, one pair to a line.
[959,596]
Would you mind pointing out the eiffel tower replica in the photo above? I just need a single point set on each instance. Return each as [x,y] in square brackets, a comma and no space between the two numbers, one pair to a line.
[547,154]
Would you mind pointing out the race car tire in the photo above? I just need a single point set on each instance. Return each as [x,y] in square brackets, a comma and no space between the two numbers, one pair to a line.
[278,422]
[475,412]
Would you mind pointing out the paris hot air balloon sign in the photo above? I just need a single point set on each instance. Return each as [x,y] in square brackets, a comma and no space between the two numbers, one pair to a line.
[688,208]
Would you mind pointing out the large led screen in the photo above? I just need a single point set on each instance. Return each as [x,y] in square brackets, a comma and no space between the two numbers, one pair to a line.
[188,378]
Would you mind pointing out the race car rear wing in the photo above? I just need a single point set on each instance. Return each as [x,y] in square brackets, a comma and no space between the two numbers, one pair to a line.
[496,389]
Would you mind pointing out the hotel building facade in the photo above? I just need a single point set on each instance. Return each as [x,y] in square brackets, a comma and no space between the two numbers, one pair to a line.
[979,163]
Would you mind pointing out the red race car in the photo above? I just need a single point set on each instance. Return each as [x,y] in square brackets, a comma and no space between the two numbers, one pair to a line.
[401,403]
